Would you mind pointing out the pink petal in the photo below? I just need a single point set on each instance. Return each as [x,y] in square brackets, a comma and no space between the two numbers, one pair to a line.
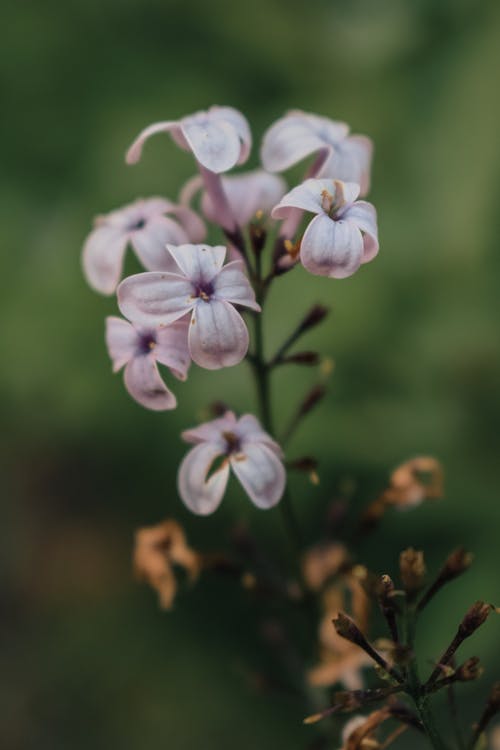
[155,298]
[364,216]
[331,248]
[351,162]
[199,262]
[172,349]
[249,430]
[240,124]
[288,141]
[214,143]
[150,243]
[231,284]
[218,336]
[309,196]
[202,495]
[135,151]
[212,431]
[121,341]
[261,473]
[103,257]
[193,226]
[145,385]
[247,194]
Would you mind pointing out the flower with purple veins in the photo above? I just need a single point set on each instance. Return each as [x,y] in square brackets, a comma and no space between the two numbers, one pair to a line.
[230,443]
[342,235]
[219,137]
[339,155]
[145,225]
[140,350]
[203,288]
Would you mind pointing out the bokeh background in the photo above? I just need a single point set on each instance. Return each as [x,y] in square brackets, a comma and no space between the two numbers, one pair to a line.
[89,661]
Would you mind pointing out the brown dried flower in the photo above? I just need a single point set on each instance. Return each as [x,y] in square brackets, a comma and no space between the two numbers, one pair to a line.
[157,549]
[321,562]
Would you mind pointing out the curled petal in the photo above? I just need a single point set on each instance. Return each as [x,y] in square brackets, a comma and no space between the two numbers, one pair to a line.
[261,473]
[103,258]
[309,196]
[155,298]
[218,336]
[331,248]
[199,262]
[214,143]
[232,285]
[288,141]
[145,385]
[135,151]
[202,495]
[250,431]
[121,341]
[172,349]
[364,216]
[212,431]
[240,124]
[150,243]
[351,161]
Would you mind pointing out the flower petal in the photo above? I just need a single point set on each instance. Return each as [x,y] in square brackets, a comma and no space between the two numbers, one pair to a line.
[240,124]
[218,336]
[364,216]
[145,385]
[212,431]
[172,349]
[288,141]
[249,430]
[247,193]
[193,226]
[261,473]
[214,143]
[202,495]
[135,151]
[150,243]
[351,161]
[308,196]
[198,262]
[155,298]
[331,248]
[103,257]
[121,341]
[232,284]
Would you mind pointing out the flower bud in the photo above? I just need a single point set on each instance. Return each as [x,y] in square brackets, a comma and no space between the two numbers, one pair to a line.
[474,618]
[457,563]
[412,567]
[302,358]
[316,315]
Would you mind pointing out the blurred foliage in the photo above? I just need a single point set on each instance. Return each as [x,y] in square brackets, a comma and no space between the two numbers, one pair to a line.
[89,660]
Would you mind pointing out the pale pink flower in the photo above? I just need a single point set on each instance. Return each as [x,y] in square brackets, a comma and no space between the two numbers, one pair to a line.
[230,443]
[219,138]
[147,227]
[339,155]
[342,235]
[247,193]
[203,288]
[140,350]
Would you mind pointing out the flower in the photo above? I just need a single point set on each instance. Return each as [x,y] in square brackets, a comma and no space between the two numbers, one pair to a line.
[247,194]
[239,444]
[340,155]
[139,350]
[342,235]
[414,481]
[341,660]
[203,287]
[145,225]
[157,549]
[219,138]
[360,732]
[321,562]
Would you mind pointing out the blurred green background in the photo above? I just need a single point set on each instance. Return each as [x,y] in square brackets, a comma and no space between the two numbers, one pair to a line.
[89,661]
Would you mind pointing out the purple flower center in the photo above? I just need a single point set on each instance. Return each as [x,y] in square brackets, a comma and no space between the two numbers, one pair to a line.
[204,290]
[137,224]
[233,443]
[146,342]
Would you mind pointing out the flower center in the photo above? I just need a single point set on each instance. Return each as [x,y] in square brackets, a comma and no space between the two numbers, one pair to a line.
[203,290]
[233,444]
[146,342]
[136,225]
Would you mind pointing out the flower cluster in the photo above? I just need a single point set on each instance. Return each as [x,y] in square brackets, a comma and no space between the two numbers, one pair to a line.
[189,301]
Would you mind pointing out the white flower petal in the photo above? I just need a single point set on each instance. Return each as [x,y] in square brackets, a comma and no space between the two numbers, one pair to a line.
[215,143]
[121,341]
[218,336]
[232,284]
[212,431]
[240,124]
[331,248]
[288,141]
[364,216]
[155,298]
[193,226]
[135,151]
[246,194]
[202,495]
[351,161]
[249,430]
[261,473]
[199,263]
[145,385]
[172,349]
[102,258]
[150,243]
